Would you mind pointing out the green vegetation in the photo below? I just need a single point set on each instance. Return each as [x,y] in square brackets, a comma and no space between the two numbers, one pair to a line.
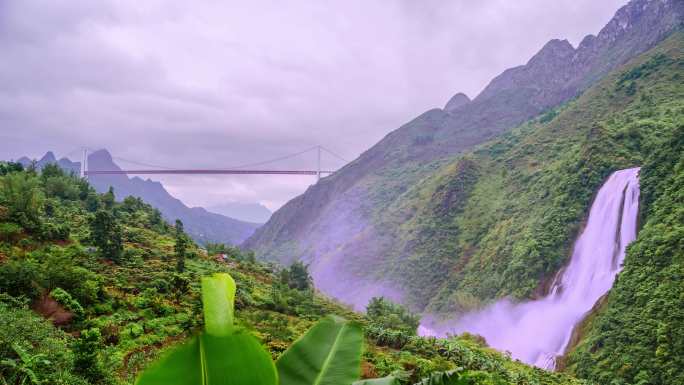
[105,298]
[222,354]
[500,220]
[518,202]
[638,335]
[107,236]
[93,290]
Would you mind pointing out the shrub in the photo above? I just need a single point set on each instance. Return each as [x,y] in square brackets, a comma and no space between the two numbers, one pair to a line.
[388,315]
[20,278]
[54,232]
[9,232]
[21,194]
[65,299]
[34,336]
[86,358]
[61,187]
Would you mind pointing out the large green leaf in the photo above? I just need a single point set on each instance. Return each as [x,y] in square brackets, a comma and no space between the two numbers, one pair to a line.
[218,301]
[328,354]
[235,359]
[222,355]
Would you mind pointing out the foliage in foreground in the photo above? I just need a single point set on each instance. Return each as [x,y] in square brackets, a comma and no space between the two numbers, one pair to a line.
[328,354]
[101,317]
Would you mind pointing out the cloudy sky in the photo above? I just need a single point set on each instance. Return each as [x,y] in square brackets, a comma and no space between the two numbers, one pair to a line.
[221,83]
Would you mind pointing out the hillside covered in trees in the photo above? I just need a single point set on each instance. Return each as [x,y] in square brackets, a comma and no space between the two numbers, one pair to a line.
[94,290]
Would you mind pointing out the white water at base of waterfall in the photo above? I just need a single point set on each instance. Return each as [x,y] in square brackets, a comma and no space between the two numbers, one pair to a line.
[538,331]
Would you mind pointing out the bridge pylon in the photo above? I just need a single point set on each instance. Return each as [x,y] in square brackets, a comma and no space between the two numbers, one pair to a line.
[84,164]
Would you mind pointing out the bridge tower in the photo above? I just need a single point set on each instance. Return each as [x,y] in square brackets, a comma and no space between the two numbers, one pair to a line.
[84,164]
[318,169]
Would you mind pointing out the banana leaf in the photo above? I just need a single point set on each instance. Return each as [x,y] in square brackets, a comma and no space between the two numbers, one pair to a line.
[328,354]
[222,354]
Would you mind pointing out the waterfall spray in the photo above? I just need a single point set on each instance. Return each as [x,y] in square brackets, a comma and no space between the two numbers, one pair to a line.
[538,331]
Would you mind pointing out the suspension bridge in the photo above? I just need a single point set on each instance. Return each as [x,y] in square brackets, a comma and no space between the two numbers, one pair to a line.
[245,169]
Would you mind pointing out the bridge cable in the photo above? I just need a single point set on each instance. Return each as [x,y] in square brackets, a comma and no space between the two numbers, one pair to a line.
[334,154]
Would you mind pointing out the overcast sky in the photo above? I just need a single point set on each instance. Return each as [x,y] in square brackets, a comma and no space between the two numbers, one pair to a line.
[219,83]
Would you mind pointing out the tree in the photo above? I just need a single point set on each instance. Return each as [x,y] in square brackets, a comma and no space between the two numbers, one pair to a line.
[180,247]
[108,198]
[92,203]
[297,276]
[86,360]
[107,235]
[51,170]
[10,167]
[388,315]
[21,194]
[155,218]
[132,204]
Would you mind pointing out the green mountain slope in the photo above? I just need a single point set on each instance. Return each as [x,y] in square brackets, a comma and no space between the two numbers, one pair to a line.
[92,290]
[637,335]
[501,219]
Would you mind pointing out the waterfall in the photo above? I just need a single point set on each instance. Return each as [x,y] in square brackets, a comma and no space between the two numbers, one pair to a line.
[538,331]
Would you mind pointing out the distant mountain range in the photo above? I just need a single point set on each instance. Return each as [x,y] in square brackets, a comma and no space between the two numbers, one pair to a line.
[202,225]
[248,212]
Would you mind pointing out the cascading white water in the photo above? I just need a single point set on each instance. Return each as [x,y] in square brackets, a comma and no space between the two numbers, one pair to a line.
[538,331]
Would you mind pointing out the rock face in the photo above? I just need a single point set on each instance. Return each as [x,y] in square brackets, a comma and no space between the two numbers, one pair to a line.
[201,224]
[334,224]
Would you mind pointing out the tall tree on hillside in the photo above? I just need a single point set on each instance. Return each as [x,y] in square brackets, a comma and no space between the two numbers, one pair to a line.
[107,235]
[108,198]
[297,276]
[180,247]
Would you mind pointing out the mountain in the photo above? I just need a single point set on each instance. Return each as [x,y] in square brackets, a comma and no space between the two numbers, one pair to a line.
[49,158]
[248,212]
[367,230]
[202,225]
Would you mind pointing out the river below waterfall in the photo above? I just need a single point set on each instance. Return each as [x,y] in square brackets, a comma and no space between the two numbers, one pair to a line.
[538,331]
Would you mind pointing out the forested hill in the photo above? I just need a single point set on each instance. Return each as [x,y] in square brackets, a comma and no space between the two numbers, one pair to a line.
[93,290]
[363,224]
[500,220]
[202,225]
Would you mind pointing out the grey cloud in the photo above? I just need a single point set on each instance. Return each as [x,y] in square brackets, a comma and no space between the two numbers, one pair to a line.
[215,84]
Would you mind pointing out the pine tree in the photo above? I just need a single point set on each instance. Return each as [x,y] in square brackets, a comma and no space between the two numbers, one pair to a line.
[107,235]
[108,198]
[86,360]
[180,247]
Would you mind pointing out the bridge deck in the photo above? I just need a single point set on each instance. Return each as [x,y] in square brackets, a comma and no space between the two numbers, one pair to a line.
[207,172]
